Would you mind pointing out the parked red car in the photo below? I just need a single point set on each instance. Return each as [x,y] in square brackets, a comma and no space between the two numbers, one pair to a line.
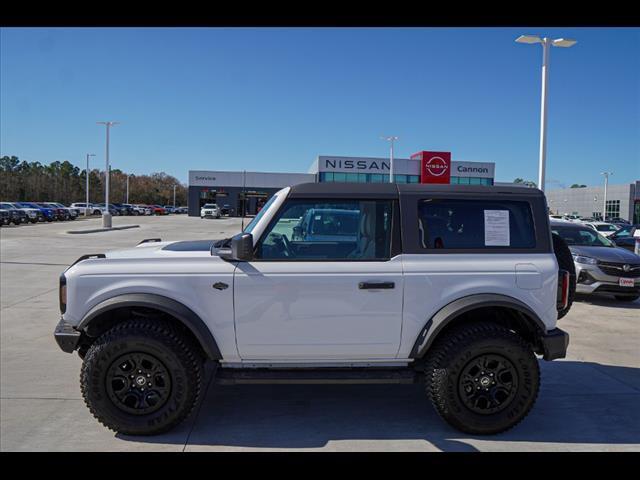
[158,210]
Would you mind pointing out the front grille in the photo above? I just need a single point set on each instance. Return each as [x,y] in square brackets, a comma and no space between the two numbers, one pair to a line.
[617,269]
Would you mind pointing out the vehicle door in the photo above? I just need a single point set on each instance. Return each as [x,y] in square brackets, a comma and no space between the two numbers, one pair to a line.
[333,293]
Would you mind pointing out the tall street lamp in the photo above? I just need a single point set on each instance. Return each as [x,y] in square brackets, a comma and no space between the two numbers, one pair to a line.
[86,207]
[546,43]
[174,197]
[390,139]
[106,215]
[606,181]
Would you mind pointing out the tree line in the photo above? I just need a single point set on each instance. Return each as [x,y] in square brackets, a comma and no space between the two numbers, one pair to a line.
[63,182]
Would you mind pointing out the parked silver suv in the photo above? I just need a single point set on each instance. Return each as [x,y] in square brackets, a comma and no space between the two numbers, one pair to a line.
[601,266]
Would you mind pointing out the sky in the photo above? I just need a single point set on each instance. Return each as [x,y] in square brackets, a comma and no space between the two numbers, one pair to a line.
[273,99]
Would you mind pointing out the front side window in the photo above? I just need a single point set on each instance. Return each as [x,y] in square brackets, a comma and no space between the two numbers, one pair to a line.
[475,224]
[329,230]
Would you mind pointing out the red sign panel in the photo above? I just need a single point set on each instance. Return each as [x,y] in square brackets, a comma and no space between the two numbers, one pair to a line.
[435,167]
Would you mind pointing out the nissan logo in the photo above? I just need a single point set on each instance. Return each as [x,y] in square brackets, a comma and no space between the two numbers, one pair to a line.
[626,268]
[437,166]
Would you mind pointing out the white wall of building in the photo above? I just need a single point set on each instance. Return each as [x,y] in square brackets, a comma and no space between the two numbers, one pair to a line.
[586,201]
[208,178]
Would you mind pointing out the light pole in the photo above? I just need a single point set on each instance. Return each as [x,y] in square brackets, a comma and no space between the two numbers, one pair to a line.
[174,197]
[106,215]
[546,43]
[390,139]
[127,202]
[606,181]
[86,207]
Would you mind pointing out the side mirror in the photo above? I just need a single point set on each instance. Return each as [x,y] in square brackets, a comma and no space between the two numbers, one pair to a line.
[241,248]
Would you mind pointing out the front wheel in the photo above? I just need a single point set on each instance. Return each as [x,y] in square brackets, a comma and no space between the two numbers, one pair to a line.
[142,377]
[482,378]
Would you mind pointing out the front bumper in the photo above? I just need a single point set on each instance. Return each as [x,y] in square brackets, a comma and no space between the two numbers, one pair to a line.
[590,279]
[554,344]
[66,336]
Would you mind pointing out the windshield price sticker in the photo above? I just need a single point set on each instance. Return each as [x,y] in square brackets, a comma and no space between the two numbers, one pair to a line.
[496,228]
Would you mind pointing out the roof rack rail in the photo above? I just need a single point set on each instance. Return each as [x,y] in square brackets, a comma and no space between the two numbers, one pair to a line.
[149,240]
[89,255]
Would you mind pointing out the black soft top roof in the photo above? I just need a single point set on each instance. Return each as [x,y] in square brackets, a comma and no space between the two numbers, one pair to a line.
[393,190]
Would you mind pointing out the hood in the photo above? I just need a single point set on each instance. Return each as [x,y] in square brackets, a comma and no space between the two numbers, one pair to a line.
[186,248]
[606,254]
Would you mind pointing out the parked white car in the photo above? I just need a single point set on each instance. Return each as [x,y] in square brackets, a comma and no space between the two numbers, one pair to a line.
[89,208]
[142,209]
[603,228]
[210,210]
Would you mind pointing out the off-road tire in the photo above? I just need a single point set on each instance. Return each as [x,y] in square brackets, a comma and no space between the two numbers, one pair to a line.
[565,262]
[180,356]
[457,349]
[627,298]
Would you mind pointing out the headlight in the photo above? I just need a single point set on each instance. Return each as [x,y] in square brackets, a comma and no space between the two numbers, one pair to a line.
[586,260]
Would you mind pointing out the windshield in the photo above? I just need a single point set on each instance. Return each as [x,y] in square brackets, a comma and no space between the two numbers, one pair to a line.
[210,205]
[583,237]
[252,224]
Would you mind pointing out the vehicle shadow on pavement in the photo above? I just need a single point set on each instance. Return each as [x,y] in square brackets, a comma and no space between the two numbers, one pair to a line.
[604,301]
[579,403]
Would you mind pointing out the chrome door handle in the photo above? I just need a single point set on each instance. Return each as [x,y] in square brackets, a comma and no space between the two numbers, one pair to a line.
[376,285]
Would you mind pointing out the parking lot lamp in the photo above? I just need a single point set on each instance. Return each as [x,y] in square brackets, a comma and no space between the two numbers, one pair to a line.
[106,215]
[86,207]
[606,182]
[127,202]
[174,196]
[390,139]
[546,43]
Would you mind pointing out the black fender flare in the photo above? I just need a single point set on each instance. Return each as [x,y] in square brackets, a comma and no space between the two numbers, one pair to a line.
[185,315]
[452,310]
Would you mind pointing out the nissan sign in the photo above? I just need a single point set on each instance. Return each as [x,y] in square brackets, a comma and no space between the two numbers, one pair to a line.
[435,167]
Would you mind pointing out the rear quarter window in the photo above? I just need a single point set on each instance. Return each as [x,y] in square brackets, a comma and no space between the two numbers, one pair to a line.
[454,224]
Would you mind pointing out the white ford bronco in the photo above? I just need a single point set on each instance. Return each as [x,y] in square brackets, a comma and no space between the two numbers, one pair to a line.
[459,287]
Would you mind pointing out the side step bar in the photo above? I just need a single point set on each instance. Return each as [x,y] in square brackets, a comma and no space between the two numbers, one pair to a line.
[232,376]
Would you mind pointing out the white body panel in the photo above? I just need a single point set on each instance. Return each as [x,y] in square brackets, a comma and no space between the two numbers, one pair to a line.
[186,277]
[315,310]
[433,281]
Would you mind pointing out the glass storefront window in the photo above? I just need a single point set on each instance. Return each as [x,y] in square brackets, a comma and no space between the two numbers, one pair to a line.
[351,177]
[400,178]
[376,178]
[339,177]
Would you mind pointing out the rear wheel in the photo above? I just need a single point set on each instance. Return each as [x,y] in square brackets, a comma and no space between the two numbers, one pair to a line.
[482,378]
[142,377]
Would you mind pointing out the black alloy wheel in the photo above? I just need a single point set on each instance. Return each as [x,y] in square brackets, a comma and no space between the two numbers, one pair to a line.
[138,383]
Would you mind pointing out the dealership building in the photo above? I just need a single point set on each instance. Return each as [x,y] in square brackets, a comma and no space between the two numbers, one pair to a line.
[248,191]
[622,201]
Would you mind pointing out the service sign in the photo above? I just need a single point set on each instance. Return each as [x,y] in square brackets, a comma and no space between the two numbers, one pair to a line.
[435,167]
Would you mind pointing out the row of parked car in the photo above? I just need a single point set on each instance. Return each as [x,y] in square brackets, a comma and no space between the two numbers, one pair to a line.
[120,209]
[618,230]
[18,213]
[33,212]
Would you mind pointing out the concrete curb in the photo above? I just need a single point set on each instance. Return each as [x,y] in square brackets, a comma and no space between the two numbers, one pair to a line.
[101,229]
